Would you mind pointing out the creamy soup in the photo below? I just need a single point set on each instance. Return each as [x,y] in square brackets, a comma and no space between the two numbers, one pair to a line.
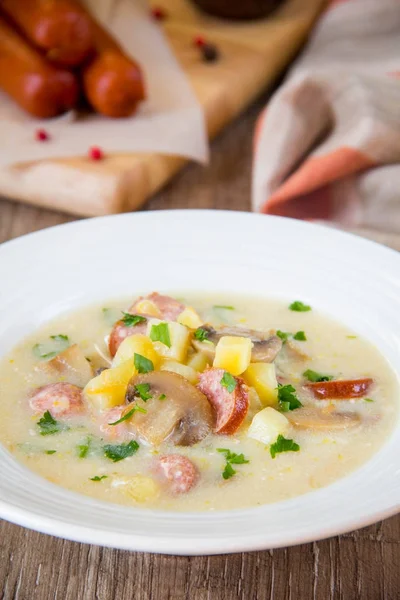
[195,402]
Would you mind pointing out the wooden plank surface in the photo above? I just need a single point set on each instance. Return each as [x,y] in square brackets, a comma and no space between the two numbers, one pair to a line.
[362,565]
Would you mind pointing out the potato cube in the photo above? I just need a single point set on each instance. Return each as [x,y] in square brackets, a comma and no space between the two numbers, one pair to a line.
[199,361]
[108,389]
[267,425]
[179,336]
[190,318]
[184,370]
[146,307]
[138,487]
[233,354]
[262,377]
[136,344]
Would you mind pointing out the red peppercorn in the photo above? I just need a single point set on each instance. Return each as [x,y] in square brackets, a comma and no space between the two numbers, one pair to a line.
[158,13]
[96,153]
[41,135]
[199,41]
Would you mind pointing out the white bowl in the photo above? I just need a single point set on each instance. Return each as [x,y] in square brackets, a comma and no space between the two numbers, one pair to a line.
[354,280]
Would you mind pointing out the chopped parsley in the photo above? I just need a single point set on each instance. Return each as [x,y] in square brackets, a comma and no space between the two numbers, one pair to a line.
[287,398]
[97,478]
[142,364]
[129,415]
[283,445]
[351,337]
[48,425]
[231,458]
[162,397]
[50,451]
[368,400]
[131,320]
[121,451]
[300,336]
[283,335]
[224,306]
[201,334]
[316,377]
[83,449]
[49,350]
[160,333]
[298,306]
[143,391]
[229,382]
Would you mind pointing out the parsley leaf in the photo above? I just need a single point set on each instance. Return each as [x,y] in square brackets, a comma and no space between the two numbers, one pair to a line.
[287,398]
[368,400]
[224,306]
[49,350]
[229,471]
[201,334]
[160,333]
[142,364]
[129,414]
[143,391]
[131,320]
[228,381]
[283,335]
[48,425]
[97,478]
[50,451]
[283,445]
[162,397]
[300,336]
[299,306]
[121,451]
[83,449]
[316,377]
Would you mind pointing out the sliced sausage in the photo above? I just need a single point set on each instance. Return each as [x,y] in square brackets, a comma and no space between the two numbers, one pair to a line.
[57,27]
[178,473]
[120,331]
[39,88]
[58,398]
[340,389]
[230,407]
[169,308]
[119,431]
[113,82]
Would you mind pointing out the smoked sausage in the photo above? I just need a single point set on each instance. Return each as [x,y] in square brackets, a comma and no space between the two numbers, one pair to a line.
[340,389]
[58,398]
[177,472]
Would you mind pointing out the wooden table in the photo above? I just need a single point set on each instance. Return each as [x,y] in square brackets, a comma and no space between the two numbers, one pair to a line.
[362,565]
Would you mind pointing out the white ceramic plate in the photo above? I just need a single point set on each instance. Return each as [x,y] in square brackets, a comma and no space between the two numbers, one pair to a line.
[354,280]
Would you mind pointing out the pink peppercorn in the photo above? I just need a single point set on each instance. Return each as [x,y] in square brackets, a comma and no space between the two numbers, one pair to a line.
[41,135]
[96,153]
[199,41]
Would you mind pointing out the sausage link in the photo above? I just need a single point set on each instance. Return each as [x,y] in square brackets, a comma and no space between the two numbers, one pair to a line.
[178,473]
[60,399]
[340,389]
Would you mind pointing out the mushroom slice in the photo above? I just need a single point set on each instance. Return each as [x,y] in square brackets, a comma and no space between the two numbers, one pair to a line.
[322,420]
[265,346]
[177,410]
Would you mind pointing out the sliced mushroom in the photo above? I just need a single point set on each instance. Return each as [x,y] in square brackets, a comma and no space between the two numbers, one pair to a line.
[265,346]
[71,364]
[177,410]
[322,419]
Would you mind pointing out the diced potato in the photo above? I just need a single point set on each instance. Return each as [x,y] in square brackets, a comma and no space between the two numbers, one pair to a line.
[139,487]
[233,354]
[187,372]
[262,377]
[198,361]
[147,307]
[179,337]
[254,401]
[136,344]
[108,389]
[190,318]
[267,425]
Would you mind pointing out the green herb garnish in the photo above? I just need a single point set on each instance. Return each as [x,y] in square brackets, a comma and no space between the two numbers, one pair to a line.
[162,397]
[160,333]
[201,334]
[48,425]
[129,415]
[351,337]
[142,364]
[231,458]
[228,471]
[316,377]
[300,336]
[228,381]
[50,451]
[131,320]
[83,449]
[143,391]
[368,400]
[224,306]
[283,335]
[97,478]
[121,451]
[49,350]
[283,445]
[287,398]
[299,306]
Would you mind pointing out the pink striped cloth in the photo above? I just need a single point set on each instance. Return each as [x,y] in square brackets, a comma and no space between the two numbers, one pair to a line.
[327,146]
